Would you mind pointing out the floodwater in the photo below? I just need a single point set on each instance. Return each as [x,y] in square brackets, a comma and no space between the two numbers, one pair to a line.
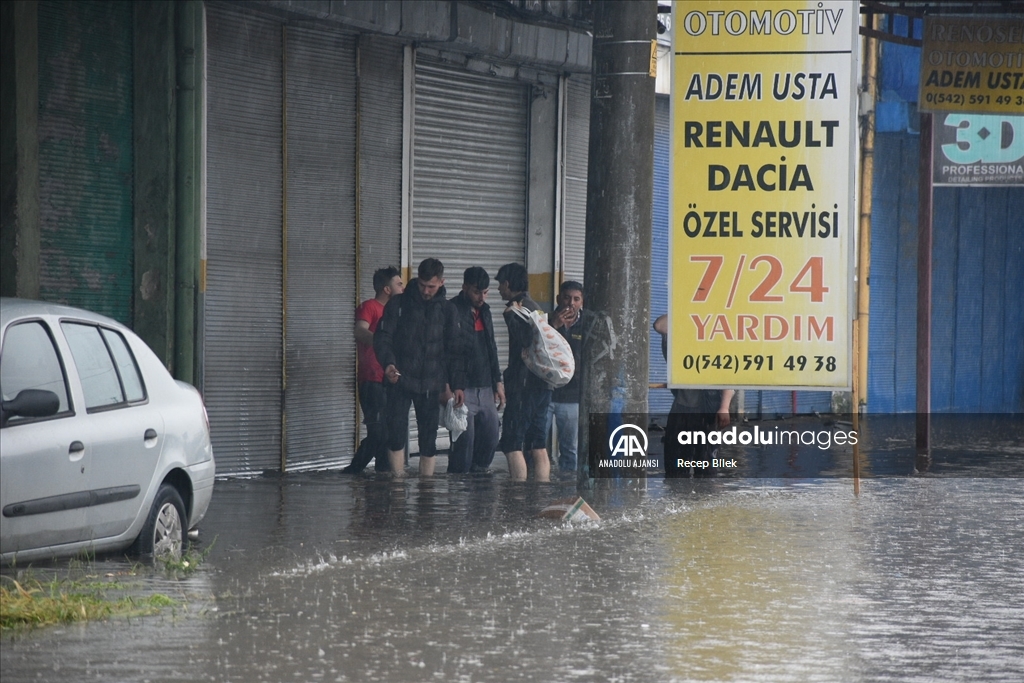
[323,577]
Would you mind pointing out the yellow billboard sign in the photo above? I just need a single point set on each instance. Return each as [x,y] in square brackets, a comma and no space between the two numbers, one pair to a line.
[763,201]
[972,65]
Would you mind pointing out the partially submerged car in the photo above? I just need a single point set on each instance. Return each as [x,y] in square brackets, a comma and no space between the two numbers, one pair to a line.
[100,448]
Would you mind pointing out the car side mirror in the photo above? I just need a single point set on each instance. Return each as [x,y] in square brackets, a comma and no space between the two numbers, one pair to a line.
[31,403]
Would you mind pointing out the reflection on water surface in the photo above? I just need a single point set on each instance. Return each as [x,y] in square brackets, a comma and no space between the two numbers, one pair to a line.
[318,577]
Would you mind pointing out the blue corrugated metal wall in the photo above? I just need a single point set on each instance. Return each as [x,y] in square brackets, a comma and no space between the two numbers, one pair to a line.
[892,335]
[977,277]
[659,400]
[770,404]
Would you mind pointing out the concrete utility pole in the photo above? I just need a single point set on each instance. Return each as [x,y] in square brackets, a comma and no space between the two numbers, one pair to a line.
[620,192]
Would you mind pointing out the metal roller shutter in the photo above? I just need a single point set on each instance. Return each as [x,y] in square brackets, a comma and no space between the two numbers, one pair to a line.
[380,159]
[85,156]
[577,139]
[659,400]
[469,176]
[469,169]
[243,323]
[320,123]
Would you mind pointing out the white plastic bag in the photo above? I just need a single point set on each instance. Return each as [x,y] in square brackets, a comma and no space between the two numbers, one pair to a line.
[549,356]
[455,420]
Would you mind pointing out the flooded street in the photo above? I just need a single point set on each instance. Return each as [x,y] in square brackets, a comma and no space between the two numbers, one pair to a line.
[322,577]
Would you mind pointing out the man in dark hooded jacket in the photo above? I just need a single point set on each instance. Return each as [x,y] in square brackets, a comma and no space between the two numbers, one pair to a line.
[485,392]
[417,345]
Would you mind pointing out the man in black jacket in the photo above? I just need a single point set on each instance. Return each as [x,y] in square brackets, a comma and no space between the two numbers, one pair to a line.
[416,344]
[474,450]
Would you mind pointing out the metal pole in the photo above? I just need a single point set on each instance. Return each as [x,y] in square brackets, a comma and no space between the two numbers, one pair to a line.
[284,248]
[199,351]
[358,227]
[924,290]
[867,174]
[864,245]
[620,192]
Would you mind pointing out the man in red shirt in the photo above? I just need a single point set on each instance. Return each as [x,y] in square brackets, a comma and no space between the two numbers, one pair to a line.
[387,282]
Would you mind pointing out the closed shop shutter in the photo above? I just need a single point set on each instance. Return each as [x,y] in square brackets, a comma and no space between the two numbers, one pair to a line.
[381,81]
[577,138]
[243,323]
[321,134]
[469,176]
[266,120]
[85,156]
[380,159]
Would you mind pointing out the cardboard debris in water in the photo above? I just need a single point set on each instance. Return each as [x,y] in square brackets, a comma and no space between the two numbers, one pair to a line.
[569,509]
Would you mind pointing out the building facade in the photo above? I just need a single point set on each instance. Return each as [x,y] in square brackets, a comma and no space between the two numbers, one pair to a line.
[225,177]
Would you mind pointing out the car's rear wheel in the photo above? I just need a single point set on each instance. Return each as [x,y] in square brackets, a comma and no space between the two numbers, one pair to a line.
[163,535]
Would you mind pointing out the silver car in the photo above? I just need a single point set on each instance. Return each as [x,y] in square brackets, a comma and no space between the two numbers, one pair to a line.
[100,448]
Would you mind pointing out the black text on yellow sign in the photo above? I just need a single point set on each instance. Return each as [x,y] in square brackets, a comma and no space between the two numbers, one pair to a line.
[971,64]
[762,194]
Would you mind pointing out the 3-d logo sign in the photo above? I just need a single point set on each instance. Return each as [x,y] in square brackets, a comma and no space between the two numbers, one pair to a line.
[978,149]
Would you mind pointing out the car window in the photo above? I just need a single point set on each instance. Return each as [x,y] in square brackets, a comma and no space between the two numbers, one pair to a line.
[30,361]
[100,382]
[126,367]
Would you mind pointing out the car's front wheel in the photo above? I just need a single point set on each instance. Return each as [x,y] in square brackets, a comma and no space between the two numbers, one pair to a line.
[163,534]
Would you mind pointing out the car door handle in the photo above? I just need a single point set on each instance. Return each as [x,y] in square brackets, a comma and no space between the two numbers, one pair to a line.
[76,451]
[150,434]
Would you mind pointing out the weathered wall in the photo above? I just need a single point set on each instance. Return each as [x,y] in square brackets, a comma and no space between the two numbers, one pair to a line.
[549,38]
[540,223]
[19,150]
[154,132]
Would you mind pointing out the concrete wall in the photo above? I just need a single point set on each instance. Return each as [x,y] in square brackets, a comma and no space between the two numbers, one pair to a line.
[541,197]
[551,37]
[530,46]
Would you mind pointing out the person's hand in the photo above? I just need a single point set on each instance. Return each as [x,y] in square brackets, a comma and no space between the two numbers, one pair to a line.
[445,395]
[392,374]
[564,317]
[499,396]
[722,417]
[460,398]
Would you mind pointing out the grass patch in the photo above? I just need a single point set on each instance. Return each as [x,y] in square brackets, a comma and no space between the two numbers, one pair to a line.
[28,601]
[189,560]
[32,603]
